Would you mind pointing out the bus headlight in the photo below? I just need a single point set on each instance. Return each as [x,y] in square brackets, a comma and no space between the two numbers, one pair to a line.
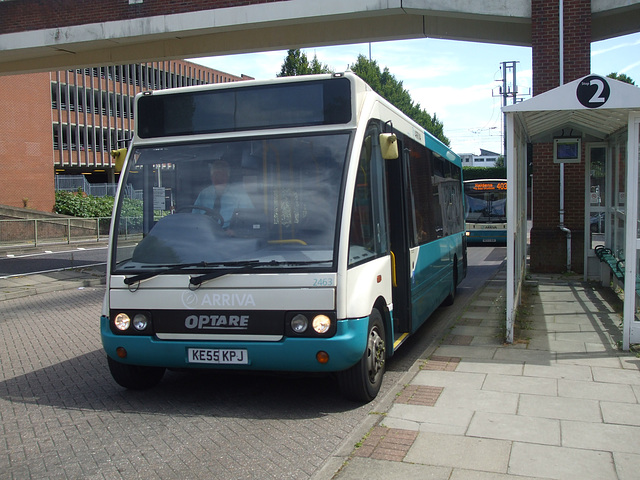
[299,323]
[140,321]
[122,321]
[318,324]
[321,324]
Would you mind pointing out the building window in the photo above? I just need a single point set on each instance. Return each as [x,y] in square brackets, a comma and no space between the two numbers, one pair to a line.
[54,95]
[56,136]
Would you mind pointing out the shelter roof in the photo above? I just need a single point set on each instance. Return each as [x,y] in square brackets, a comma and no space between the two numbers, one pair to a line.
[594,105]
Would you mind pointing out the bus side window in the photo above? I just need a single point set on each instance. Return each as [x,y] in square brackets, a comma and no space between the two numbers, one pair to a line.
[367,235]
[361,233]
[437,201]
[425,178]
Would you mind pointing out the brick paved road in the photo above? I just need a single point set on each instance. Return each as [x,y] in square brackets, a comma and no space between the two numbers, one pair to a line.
[62,416]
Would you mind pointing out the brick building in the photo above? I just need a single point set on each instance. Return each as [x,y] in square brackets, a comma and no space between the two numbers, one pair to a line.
[548,244]
[67,122]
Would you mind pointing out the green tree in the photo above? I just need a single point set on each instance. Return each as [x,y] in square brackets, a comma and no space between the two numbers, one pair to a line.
[381,81]
[297,63]
[387,86]
[622,77]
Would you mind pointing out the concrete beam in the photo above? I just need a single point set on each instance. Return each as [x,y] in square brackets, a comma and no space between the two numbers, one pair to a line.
[287,24]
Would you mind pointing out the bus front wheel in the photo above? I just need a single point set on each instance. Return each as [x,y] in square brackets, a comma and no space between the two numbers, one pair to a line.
[448,301]
[135,377]
[362,381]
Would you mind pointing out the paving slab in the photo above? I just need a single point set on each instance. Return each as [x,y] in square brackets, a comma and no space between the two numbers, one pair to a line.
[557,308]
[472,314]
[460,452]
[466,352]
[631,363]
[596,391]
[561,408]
[627,465]
[536,357]
[592,359]
[473,330]
[616,375]
[515,427]
[547,325]
[484,303]
[584,337]
[490,341]
[490,366]
[557,346]
[520,384]
[359,468]
[460,474]
[479,400]
[559,463]
[621,413]
[608,348]
[584,318]
[471,381]
[605,437]
[452,420]
[572,372]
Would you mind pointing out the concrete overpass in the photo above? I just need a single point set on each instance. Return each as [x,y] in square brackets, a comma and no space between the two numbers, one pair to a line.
[61,34]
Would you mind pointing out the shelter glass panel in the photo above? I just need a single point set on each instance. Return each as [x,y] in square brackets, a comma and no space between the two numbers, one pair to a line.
[597,194]
[619,202]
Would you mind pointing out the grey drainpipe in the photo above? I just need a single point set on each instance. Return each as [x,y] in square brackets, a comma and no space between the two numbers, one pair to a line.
[562,226]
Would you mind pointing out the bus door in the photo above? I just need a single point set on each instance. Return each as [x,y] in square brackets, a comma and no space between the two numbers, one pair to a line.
[399,239]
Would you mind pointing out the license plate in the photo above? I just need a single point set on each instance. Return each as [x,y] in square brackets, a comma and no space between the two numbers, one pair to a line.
[489,240]
[219,356]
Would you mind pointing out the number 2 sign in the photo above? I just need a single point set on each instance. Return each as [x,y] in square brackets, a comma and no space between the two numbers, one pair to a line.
[593,91]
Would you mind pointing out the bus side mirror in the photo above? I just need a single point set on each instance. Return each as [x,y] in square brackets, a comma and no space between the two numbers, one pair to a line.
[389,146]
[119,156]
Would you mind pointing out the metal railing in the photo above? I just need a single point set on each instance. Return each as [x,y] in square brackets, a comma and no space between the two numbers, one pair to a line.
[73,183]
[43,231]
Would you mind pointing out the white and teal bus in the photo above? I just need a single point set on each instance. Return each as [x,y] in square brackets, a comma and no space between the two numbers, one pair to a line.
[486,211]
[299,224]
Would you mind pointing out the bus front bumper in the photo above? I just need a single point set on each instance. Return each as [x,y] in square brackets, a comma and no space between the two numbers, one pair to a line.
[289,354]
[486,236]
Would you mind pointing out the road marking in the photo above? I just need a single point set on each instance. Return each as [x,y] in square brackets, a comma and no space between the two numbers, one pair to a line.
[50,271]
[49,252]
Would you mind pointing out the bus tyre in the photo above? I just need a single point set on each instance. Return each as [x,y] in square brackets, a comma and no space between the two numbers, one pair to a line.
[135,377]
[448,301]
[362,382]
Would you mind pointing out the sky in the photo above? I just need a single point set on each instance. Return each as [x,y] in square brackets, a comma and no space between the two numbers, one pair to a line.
[457,81]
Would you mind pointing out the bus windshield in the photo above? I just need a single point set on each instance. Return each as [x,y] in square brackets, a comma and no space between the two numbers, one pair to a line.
[270,202]
[486,202]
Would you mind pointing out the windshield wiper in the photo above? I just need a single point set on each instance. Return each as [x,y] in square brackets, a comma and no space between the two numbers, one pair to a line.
[249,265]
[166,269]
[221,272]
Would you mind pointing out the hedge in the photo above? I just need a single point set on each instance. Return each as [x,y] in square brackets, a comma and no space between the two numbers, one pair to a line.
[79,204]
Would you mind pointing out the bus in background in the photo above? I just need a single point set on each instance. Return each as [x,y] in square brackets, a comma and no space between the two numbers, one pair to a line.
[486,211]
[297,224]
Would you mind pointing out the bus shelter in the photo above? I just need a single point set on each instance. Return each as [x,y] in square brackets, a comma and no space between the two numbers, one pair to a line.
[595,120]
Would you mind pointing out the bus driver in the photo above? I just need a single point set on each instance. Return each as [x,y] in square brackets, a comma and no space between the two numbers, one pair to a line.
[222,197]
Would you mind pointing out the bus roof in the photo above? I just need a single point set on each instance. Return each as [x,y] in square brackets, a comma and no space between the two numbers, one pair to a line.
[285,102]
